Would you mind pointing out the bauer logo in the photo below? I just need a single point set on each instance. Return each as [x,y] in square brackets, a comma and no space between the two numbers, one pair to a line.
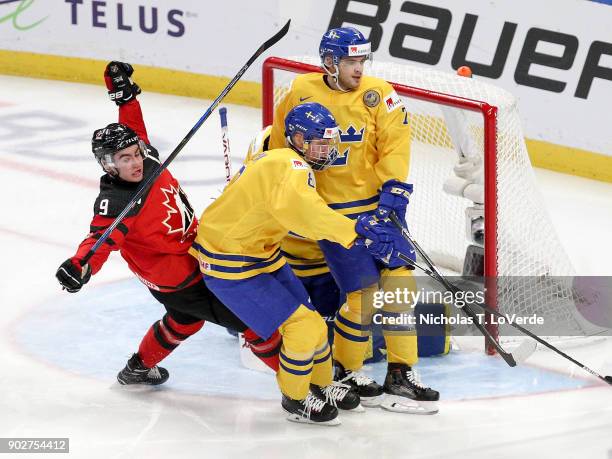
[128,16]
[555,48]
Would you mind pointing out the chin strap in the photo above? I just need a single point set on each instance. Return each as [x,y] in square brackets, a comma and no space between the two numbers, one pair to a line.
[293,147]
[335,76]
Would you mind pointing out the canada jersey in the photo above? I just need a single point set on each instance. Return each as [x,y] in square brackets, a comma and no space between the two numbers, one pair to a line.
[374,136]
[155,236]
[240,232]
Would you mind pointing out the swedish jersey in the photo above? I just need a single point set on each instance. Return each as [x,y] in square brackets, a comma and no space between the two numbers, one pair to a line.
[240,233]
[374,136]
[155,236]
[304,255]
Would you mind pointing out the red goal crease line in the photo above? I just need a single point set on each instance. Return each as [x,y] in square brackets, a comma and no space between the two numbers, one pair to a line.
[48,173]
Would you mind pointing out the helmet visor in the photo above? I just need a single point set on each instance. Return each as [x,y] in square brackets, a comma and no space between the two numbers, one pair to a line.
[321,153]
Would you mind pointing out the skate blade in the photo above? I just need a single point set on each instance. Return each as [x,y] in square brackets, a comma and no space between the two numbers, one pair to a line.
[123,382]
[405,405]
[292,417]
[136,388]
[371,402]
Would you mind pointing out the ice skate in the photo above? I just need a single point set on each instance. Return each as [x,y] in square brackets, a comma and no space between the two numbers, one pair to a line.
[340,395]
[311,410]
[404,393]
[369,391]
[135,372]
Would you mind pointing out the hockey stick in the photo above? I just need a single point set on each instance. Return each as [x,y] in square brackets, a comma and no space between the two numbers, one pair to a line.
[226,146]
[510,358]
[247,358]
[435,274]
[144,186]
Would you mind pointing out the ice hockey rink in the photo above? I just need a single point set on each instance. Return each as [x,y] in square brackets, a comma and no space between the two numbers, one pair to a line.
[60,352]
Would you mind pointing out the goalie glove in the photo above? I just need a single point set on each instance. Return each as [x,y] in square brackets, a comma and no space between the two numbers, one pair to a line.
[121,88]
[394,197]
[71,276]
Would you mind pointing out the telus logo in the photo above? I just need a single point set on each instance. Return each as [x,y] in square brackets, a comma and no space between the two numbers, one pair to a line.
[128,17]
[19,7]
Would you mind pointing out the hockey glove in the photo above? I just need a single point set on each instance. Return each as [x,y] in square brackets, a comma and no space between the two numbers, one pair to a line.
[121,88]
[383,241]
[403,246]
[375,236]
[394,196]
[71,276]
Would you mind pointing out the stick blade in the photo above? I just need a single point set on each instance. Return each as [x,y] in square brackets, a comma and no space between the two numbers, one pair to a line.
[277,36]
[508,358]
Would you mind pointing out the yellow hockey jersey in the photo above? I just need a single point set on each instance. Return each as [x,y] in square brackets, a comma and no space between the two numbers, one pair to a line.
[239,234]
[374,136]
[304,255]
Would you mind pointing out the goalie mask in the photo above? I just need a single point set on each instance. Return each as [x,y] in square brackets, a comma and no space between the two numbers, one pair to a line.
[319,131]
[111,139]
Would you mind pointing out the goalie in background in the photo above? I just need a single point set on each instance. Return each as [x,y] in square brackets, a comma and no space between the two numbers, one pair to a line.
[154,239]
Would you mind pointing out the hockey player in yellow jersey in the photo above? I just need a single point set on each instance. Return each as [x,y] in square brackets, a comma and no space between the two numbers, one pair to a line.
[308,264]
[367,176]
[238,248]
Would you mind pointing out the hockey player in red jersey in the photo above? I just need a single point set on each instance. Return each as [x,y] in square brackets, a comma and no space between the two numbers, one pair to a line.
[154,239]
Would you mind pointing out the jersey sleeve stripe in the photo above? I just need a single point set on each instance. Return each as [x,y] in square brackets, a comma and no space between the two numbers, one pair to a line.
[359,202]
[354,216]
[227,257]
[245,268]
[305,267]
[121,227]
[108,240]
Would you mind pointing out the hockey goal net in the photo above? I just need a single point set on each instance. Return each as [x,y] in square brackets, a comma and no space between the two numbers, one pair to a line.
[453,116]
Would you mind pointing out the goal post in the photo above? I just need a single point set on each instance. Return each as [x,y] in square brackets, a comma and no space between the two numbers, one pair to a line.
[519,238]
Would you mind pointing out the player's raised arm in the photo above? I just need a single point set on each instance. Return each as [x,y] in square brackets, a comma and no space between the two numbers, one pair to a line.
[123,91]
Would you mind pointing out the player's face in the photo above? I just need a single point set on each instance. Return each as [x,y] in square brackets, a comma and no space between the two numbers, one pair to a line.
[129,163]
[350,70]
[321,152]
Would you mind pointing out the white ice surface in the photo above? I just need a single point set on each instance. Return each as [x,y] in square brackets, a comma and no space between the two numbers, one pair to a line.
[60,352]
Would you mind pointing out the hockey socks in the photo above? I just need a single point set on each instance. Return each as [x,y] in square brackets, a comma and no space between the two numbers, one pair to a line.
[163,337]
[265,350]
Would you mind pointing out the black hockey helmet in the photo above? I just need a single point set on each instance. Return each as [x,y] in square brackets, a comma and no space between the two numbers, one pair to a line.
[111,139]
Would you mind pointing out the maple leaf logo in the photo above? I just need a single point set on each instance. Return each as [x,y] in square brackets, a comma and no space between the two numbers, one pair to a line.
[180,213]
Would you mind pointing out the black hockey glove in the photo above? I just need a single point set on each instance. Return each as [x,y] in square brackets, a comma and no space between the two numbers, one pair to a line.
[72,277]
[121,88]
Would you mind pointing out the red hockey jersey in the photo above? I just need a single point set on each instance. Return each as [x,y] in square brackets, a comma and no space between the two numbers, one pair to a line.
[156,234]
